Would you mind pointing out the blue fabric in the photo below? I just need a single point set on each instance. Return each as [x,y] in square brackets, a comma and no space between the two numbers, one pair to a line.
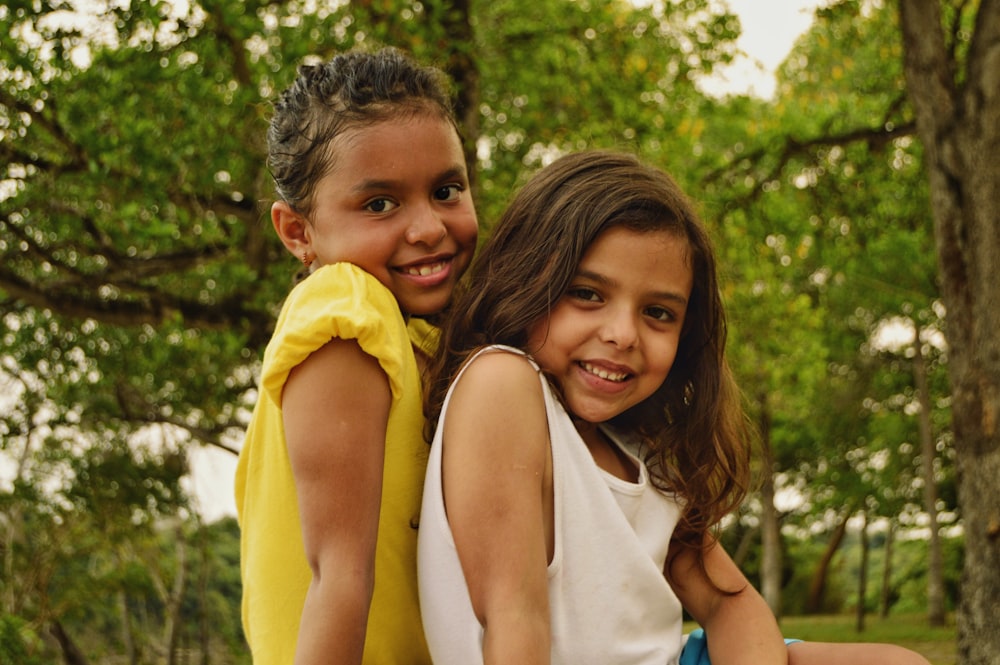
[696,648]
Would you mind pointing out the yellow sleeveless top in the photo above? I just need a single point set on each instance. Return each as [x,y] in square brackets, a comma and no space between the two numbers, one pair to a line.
[342,301]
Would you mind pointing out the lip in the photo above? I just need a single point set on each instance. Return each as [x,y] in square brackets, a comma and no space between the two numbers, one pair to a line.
[604,375]
[427,271]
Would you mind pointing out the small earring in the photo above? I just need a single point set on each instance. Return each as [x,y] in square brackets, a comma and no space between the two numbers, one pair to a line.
[306,259]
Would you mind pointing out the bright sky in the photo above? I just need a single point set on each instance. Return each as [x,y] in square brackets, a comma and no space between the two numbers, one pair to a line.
[770,28]
[211,482]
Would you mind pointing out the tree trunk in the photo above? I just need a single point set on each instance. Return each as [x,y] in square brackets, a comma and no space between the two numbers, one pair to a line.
[817,588]
[204,631]
[743,549]
[129,638]
[770,529]
[71,653]
[859,622]
[957,105]
[885,596]
[935,563]
[175,599]
[12,527]
[463,70]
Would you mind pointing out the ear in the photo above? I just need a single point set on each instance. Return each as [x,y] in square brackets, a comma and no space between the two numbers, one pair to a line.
[292,229]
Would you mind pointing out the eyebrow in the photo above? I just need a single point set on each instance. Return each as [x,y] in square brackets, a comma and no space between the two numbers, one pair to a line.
[606,281]
[456,172]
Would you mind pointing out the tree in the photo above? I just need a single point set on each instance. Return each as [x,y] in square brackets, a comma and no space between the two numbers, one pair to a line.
[935,577]
[139,279]
[133,236]
[953,82]
[834,193]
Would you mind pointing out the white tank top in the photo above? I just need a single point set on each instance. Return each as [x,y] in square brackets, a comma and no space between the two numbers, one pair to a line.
[610,603]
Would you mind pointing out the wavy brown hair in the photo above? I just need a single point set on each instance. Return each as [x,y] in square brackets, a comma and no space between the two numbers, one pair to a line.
[697,441]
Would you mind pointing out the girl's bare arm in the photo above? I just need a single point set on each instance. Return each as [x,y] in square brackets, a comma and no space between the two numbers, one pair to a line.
[336,407]
[497,488]
[740,627]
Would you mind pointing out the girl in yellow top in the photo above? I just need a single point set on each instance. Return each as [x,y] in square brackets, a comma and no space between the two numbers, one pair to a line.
[373,199]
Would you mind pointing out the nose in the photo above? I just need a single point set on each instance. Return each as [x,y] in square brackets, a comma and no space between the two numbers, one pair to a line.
[427,227]
[620,329]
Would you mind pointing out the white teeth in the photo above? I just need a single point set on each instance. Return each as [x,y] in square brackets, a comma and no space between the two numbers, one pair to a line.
[604,374]
[423,271]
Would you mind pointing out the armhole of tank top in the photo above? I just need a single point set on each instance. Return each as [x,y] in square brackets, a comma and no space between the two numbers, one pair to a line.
[550,401]
[551,404]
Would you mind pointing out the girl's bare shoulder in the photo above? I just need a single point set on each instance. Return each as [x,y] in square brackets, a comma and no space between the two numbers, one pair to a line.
[497,385]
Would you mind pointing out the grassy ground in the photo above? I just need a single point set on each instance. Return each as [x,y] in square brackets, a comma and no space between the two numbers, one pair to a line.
[910,631]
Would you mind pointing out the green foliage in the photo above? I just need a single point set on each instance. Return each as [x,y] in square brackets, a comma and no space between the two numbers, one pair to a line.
[801,555]
[559,76]
[827,221]
[139,276]
[911,579]
[133,234]
[18,642]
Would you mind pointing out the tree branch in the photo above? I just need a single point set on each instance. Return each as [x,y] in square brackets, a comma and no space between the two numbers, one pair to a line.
[875,137]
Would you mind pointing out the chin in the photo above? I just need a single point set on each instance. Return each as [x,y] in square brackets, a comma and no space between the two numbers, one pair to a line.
[424,309]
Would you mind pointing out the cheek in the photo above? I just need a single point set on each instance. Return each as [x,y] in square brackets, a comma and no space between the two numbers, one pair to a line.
[468,233]
[537,335]
[668,360]
[664,356]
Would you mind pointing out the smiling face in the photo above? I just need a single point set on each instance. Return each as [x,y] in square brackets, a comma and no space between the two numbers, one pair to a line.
[612,337]
[397,204]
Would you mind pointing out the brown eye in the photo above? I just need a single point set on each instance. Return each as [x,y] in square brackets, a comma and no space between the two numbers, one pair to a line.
[583,293]
[380,205]
[660,314]
[449,193]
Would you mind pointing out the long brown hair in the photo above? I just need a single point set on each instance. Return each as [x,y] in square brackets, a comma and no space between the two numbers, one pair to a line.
[696,437]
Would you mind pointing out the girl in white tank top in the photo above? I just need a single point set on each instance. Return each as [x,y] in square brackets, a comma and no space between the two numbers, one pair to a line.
[589,436]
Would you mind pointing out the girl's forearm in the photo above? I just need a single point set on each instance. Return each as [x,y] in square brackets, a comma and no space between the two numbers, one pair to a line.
[334,622]
[743,630]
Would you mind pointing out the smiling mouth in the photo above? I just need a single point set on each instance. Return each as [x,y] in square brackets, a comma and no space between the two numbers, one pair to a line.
[616,377]
[425,269]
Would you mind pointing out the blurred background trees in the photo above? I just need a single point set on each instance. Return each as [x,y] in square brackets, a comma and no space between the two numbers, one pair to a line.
[139,279]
